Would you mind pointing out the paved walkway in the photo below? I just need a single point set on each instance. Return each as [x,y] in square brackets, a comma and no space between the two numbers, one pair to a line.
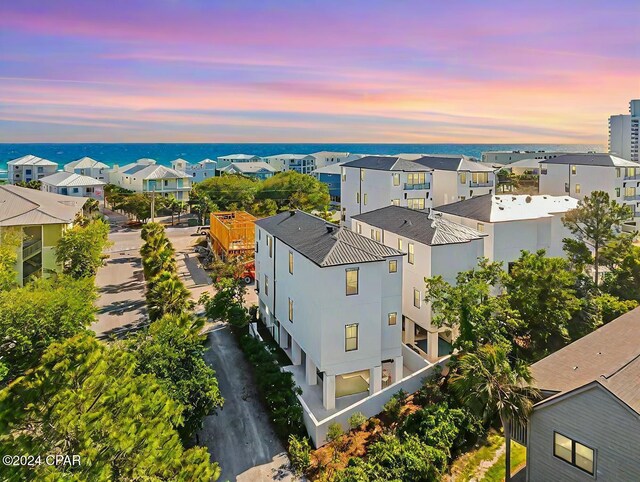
[240,437]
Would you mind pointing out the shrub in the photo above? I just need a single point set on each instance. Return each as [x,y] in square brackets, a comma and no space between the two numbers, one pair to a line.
[357,420]
[299,454]
[392,409]
[334,432]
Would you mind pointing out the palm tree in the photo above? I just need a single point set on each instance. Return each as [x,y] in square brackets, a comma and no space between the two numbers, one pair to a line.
[166,294]
[489,385]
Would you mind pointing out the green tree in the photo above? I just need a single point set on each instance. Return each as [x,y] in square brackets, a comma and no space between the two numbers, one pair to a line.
[228,298]
[469,305]
[595,222]
[85,398]
[79,250]
[292,190]
[172,350]
[229,192]
[34,316]
[541,290]
[622,258]
[157,252]
[37,185]
[201,204]
[175,206]
[490,386]
[10,242]
[299,453]
[167,295]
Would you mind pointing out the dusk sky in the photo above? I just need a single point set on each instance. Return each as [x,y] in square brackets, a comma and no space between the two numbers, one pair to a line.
[316,71]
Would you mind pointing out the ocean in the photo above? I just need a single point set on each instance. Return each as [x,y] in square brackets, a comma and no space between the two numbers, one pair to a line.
[122,154]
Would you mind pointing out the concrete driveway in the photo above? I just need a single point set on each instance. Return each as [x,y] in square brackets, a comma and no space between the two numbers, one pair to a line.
[240,437]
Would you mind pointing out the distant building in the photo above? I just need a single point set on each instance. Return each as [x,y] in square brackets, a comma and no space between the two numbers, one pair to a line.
[258,170]
[329,158]
[300,163]
[330,175]
[578,175]
[433,246]
[41,218]
[199,171]
[71,184]
[89,167]
[587,426]
[29,168]
[238,158]
[513,223]
[507,157]
[146,176]
[624,133]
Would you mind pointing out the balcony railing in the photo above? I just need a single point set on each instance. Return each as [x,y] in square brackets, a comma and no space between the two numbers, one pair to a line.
[632,198]
[631,178]
[31,249]
[416,187]
[480,184]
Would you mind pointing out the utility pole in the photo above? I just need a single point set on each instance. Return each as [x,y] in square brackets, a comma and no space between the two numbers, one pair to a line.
[153,203]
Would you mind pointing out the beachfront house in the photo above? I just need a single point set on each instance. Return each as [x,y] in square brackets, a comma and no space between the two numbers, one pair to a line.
[38,219]
[257,170]
[587,425]
[29,168]
[87,166]
[513,223]
[198,172]
[330,158]
[229,158]
[71,184]
[330,175]
[300,163]
[578,175]
[146,176]
[433,246]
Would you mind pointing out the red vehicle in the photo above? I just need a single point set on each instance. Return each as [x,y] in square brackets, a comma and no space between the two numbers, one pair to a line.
[249,274]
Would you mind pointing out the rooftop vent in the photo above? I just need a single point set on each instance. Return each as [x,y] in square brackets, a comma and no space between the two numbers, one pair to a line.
[330,228]
[292,212]
[528,199]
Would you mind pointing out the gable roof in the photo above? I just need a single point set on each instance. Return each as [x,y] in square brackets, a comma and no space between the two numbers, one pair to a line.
[323,243]
[490,208]
[22,206]
[290,156]
[335,168]
[65,179]
[248,167]
[610,356]
[591,159]
[239,157]
[85,163]
[419,226]
[30,160]
[386,163]
[153,171]
[420,162]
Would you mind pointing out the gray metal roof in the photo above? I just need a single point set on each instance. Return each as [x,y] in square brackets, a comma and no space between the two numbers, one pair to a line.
[610,356]
[249,167]
[591,159]
[70,179]
[477,207]
[85,163]
[30,160]
[154,171]
[420,162]
[323,243]
[419,226]
[21,206]
[386,163]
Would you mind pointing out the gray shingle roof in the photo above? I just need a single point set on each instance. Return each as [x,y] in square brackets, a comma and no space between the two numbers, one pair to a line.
[419,226]
[21,206]
[592,159]
[477,207]
[420,162]
[386,163]
[610,356]
[323,243]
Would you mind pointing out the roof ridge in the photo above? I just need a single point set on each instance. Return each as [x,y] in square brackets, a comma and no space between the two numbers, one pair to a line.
[620,368]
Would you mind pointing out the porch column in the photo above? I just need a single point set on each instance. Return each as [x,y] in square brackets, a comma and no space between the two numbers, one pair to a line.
[329,392]
[284,341]
[296,353]
[398,369]
[375,379]
[432,345]
[409,331]
[310,371]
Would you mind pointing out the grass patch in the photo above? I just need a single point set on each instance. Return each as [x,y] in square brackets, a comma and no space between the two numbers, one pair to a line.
[497,471]
[466,466]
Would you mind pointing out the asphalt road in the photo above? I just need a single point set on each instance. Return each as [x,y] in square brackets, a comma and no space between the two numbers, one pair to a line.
[240,437]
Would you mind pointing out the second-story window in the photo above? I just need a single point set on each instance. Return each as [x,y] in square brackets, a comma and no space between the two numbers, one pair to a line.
[395,202]
[266,285]
[393,266]
[392,319]
[344,174]
[358,197]
[290,310]
[364,198]
[399,244]
[291,262]
[396,179]
[574,169]
[417,300]
[351,337]
[362,174]
[480,227]
[351,281]
[411,256]
[463,178]
[577,187]
[270,243]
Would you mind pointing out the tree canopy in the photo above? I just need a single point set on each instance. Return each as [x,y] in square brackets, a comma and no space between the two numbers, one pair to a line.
[79,250]
[230,192]
[292,190]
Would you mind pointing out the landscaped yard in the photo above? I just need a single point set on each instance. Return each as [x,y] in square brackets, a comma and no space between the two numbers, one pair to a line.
[497,470]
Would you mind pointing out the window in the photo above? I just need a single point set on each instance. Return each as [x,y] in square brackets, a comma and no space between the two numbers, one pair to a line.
[463,178]
[344,174]
[166,183]
[75,190]
[480,227]
[393,266]
[362,174]
[574,453]
[291,262]
[480,178]
[630,192]
[358,197]
[266,285]
[257,246]
[631,172]
[411,256]
[416,178]
[351,337]
[566,187]
[415,203]
[393,318]
[577,188]
[352,281]
[27,172]
[270,243]
[617,192]
[573,170]
[417,301]
[359,228]
[290,310]
[395,202]
[618,172]
[396,179]
[399,244]
[364,198]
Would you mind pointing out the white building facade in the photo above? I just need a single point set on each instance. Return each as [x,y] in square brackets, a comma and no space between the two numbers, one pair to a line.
[578,175]
[238,158]
[87,166]
[624,133]
[433,247]
[72,184]
[346,334]
[513,223]
[329,158]
[29,168]
[198,172]
[507,157]
[300,163]
[148,177]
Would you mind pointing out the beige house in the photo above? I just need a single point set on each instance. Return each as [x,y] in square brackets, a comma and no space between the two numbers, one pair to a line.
[39,218]
[146,176]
